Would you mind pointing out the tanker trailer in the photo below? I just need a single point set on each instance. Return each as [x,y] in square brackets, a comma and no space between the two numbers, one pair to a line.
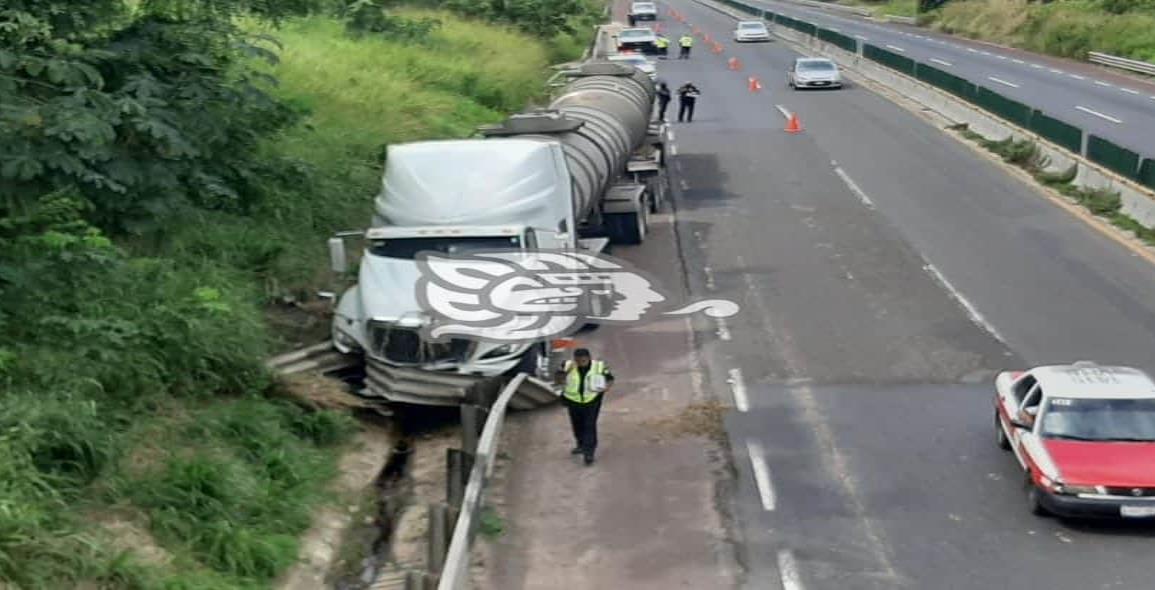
[584,172]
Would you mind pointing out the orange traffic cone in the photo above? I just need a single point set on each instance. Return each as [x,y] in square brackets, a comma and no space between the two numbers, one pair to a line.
[753,84]
[706,38]
[717,48]
[794,125]
[697,30]
[734,64]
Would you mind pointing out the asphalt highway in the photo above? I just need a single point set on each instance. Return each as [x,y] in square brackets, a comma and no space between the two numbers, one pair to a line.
[1118,108]
[886,272]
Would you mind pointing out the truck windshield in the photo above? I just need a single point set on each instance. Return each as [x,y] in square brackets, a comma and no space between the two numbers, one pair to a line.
[407,248]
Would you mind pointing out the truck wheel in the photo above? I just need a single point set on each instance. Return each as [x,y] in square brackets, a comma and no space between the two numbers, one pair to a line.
[658,189]
[628,228]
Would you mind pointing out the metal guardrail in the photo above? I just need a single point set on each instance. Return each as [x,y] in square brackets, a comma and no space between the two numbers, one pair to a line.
[906,20]
[319,357]
[1134,65]
[454,574]
[857,10]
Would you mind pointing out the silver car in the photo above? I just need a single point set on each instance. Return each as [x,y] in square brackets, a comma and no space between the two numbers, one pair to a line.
[638,61]
[751,31]
[814,72]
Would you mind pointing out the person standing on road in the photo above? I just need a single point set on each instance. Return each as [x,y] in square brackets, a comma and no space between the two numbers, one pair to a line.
[687,97]
[663,45]
[664,96]
[685,42]
[586,382]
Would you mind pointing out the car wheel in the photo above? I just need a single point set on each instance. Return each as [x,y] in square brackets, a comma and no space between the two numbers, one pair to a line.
[1033,502]
[1000,434]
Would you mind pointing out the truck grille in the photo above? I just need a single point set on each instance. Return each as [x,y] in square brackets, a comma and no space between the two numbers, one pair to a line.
[405,346]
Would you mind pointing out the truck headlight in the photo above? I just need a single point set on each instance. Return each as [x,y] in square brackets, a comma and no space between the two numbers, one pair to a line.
[343,340]
[503,350]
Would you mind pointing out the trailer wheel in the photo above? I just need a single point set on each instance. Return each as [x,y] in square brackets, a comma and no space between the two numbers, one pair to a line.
[659,190]
[629,228]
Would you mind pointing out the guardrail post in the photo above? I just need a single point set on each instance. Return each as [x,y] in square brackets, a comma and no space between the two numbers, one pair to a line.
[471,416]
[458,464]
[438,539]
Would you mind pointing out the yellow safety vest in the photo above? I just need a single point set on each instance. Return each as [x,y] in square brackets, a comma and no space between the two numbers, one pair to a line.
[573,382]
[686,41]
[662,43]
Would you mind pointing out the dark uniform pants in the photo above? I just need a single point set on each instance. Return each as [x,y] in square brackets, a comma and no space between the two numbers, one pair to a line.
[584,420]
[686,109]
[685,53]
[662,104]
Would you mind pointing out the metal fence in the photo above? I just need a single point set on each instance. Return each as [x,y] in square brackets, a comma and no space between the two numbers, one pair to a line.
[1101,151]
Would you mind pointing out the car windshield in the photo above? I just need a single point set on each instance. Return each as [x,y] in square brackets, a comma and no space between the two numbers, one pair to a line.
[635,34]
[752,26]
[1100,419]
[815,66]
[407,248]
[643,6]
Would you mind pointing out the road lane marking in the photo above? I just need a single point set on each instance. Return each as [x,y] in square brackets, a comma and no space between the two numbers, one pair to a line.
[673,149]
[986,53]
[788,570]
[970,309]
[670,132]
[1037,66]
[1098,114]
[972,50]
[709,272]
[738,389]
[782,109]
[1102,83]
[1077,77]
[685,185]
[761,474]
[1001,57]
[723,329]
[1018,61]
[941,62]
[1003,82]
[898,49]
[853,186]
[1129,90]
[1054,71]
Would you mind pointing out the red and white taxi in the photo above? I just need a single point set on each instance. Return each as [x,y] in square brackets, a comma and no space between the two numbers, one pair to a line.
[1084,434]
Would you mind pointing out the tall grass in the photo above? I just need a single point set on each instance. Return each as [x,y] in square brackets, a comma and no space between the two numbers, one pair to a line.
[1070,28]
[130,375]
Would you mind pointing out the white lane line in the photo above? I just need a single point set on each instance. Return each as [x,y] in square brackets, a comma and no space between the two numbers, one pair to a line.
[1037,66]
[1003,82]
[853,186]
[1054,71]
[1018,61]
[1152,97]
[986,53]
[723,329]
[1098,114]
[1102,83]
[761,474]
[974,314]
[972,50]
[738,389]
[788,570]
[670,132]
[685,185]
[709,272]
[898,49]
[1003,57]
[673,149]
[1129,90]
[941,62]
[1077,77]
[782,109]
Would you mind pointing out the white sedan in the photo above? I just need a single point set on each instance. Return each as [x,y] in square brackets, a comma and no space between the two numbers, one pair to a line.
[814,72]
[751,31]
[638,61]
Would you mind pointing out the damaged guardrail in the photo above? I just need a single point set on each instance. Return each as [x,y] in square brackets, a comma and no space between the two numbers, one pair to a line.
[319,357]
[1114,61]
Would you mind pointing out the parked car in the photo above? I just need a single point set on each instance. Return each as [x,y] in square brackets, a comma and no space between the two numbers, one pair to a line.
[640,11]
[639,39]
[814,72]
[751,31]
[638,61]
[1084,435]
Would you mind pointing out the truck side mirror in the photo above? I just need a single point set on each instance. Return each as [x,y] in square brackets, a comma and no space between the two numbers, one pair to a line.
[338,260]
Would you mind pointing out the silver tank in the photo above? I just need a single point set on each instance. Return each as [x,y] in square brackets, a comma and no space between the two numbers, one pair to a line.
[600,117]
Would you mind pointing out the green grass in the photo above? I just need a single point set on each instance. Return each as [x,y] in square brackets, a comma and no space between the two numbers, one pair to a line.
[1068,28]
[135,390]
[884,7]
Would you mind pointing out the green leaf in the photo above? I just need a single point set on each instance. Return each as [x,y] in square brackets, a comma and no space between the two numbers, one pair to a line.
[21,167]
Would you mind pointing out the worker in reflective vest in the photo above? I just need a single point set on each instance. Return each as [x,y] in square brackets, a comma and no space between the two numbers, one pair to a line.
[663,45]
[686,42]
[586,382]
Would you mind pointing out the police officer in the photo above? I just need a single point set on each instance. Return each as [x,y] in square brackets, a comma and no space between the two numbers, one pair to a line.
[663,45]
[687,98]
[664,96]
[586,381]
[685,42]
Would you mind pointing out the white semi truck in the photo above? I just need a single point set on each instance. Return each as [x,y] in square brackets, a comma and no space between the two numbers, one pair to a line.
[586,171]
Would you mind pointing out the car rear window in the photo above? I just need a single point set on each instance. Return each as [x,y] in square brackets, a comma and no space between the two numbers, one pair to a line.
[634,34]
[751,26]
[815,65]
